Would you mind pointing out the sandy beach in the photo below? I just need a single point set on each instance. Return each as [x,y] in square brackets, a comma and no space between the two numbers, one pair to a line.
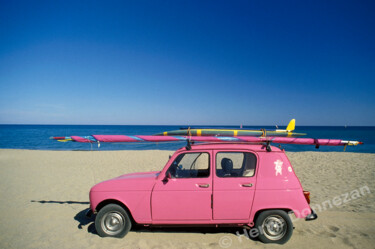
[44,195]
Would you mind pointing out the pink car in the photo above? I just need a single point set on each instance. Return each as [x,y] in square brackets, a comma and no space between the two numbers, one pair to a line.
[208,184]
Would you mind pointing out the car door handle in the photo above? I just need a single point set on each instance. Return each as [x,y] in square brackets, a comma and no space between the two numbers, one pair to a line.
[247,185]
[203,185]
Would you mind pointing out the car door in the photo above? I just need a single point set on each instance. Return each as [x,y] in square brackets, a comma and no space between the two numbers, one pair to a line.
[184,196]
[234,184]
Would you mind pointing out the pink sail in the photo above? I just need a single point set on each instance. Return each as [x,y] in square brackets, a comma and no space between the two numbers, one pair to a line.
[243,139]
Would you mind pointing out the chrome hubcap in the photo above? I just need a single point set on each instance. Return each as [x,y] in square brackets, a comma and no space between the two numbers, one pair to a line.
[113,223]
[274,227]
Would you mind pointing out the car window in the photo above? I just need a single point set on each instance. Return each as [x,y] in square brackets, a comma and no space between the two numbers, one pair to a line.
[190,165]
[235,164]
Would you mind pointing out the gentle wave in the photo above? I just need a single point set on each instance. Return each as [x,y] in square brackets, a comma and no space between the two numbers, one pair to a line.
[36,137]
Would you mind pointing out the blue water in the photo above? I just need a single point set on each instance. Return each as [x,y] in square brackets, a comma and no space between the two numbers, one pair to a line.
[36,137]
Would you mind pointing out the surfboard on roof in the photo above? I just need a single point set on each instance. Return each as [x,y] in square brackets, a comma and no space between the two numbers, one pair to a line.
[288,132]
[286,136]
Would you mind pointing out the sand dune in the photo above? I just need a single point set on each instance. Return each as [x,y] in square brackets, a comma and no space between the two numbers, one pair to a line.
[44,195]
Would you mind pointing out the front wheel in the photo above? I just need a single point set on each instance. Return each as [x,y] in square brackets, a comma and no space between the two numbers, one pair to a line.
[112,221]
[274,226]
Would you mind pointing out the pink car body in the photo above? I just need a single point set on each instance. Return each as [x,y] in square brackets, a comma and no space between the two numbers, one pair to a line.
[157,198]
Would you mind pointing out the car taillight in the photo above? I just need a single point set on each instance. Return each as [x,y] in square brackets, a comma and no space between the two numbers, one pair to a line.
[307,196]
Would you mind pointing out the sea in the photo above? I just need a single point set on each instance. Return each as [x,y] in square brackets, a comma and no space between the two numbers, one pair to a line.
[37,137]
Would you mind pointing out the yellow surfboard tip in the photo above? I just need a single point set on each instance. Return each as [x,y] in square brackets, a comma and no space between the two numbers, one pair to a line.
[291,126]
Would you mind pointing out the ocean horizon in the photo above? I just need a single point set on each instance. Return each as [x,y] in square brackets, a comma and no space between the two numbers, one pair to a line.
[36,136]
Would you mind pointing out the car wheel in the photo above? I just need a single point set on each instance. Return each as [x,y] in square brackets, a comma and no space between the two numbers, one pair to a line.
[274,226]
[112,221]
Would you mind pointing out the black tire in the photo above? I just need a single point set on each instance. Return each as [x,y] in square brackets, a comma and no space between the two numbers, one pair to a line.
[112,221]
[274,226]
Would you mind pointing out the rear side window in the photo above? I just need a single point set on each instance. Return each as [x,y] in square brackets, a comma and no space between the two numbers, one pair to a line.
[235,164]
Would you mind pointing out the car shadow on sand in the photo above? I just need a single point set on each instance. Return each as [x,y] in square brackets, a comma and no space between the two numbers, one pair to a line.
[84,221]
[80,216]
[62,202]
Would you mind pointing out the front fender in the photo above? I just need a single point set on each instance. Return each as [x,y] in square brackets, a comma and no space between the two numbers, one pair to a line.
[138,203]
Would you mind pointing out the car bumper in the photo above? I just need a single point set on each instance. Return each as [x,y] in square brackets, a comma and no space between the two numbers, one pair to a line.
[312,216]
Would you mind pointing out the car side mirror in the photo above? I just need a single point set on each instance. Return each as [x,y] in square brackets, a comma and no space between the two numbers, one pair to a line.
[167,177]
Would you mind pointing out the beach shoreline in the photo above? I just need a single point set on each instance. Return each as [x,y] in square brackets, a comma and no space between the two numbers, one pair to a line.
[45,194]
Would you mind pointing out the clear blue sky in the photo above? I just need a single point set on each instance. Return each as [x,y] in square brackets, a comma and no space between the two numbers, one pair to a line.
[187,62]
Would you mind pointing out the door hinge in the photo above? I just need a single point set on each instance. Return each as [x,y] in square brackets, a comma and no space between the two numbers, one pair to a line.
[212,201]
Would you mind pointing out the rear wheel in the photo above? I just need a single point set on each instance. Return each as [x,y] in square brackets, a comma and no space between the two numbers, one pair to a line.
[112,221]
[274,226]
